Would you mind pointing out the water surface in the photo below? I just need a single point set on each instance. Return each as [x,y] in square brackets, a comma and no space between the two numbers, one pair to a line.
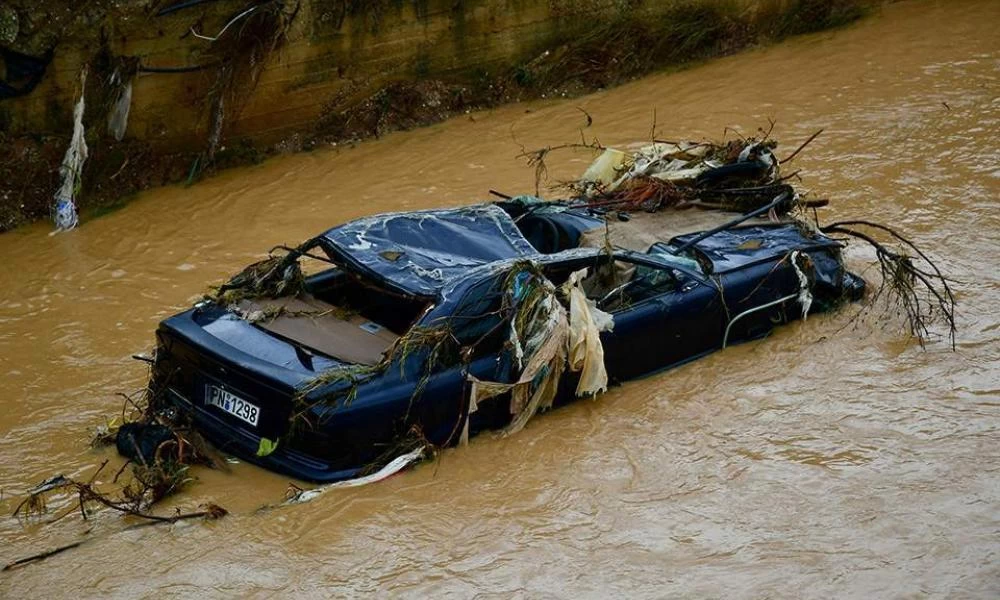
[835,458]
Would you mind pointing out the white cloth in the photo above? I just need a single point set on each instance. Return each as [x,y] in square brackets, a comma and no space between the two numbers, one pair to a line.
[395,466]
[586,322]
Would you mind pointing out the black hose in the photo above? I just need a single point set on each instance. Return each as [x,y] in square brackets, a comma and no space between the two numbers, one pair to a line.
[741,169]
[747,191]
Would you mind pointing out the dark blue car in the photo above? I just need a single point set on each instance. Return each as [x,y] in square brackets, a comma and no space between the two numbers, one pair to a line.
[328,374]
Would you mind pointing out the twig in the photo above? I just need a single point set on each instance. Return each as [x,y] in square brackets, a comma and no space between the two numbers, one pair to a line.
[771,123]
[536,158]
[799,149]
[119,171]
[42,555]
[212,511]
[738,133]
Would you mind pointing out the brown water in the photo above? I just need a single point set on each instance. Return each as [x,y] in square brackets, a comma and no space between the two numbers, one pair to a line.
[824,461]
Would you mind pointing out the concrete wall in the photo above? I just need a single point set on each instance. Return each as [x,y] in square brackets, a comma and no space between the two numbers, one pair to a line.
[333,55]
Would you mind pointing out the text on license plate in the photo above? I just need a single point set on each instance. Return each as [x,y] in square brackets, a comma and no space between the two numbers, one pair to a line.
[232,404]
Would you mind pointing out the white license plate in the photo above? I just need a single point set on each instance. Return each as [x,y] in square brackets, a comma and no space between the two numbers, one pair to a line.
[232,404]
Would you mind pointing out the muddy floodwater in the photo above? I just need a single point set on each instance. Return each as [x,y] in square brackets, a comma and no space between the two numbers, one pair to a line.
[833,459]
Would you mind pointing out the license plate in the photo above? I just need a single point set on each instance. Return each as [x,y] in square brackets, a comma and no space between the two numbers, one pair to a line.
[232,404]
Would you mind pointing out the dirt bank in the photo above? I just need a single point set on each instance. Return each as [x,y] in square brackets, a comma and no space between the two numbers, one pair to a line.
[292,76]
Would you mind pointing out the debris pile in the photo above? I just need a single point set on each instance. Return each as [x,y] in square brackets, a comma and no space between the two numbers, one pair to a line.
[88,494]
[738,175]
[160,452]
[273,277]
[552,330]
[743,175]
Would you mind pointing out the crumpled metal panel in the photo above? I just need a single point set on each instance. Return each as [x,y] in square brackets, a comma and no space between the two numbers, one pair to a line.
[738,247]
[420,252]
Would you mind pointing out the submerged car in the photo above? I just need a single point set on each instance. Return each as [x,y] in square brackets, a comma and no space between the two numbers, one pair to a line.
[324,379]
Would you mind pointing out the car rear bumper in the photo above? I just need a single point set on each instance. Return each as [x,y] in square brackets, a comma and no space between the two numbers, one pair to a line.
[243,444]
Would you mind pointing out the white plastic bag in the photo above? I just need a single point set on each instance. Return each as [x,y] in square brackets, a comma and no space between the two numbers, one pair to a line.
[71,171]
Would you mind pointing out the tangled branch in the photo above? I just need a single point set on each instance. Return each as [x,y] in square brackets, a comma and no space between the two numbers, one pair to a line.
[130,503]
[904,277]
[274,277]
[536,158]
[86,493]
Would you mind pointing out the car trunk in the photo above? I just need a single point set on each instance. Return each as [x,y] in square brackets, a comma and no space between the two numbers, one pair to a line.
[209,355]
[236,370]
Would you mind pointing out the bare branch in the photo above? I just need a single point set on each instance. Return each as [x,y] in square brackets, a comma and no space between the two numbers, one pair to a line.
[799,149]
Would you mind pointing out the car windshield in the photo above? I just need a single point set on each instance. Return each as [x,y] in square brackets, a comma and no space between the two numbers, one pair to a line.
[688,260]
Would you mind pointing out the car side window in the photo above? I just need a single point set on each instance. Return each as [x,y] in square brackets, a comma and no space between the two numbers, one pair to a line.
[620,284]
[477,321]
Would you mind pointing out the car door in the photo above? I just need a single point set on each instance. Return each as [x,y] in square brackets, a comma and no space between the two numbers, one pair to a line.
[670,315]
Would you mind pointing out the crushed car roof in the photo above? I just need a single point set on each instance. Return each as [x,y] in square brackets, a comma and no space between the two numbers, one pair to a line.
[420,252]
